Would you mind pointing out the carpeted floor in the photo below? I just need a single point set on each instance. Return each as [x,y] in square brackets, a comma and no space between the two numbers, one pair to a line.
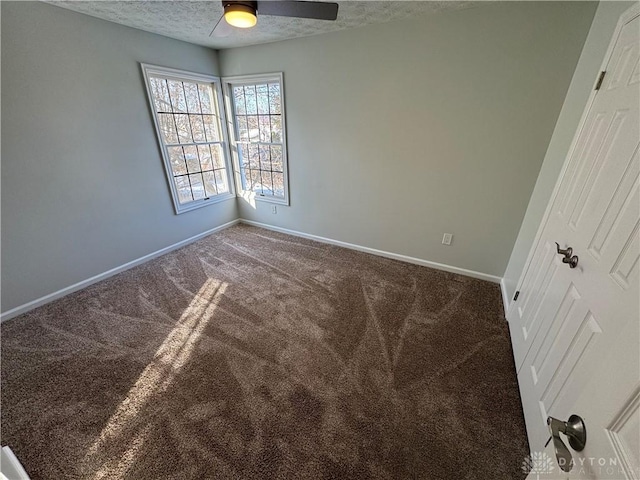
[252,354]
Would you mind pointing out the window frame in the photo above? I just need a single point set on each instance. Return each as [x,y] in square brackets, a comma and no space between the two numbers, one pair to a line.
[216,86]
[232,128]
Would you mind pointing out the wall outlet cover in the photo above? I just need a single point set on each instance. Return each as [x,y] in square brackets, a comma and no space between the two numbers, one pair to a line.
[447,238]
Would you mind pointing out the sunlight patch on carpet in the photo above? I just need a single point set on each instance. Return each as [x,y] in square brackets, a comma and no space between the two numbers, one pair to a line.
[169,360]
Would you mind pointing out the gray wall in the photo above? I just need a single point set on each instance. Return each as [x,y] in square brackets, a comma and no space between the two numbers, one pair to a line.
[397,133]
[83,186]
[584,78]
[400,132]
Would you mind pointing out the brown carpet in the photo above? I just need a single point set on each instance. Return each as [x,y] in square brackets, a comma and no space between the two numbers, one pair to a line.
[252,354]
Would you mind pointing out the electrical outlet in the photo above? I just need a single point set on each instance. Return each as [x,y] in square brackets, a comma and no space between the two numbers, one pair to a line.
[274,209]
[447,238]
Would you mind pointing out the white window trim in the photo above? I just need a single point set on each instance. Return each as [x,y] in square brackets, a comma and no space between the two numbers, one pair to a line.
[176,74]
[231,129]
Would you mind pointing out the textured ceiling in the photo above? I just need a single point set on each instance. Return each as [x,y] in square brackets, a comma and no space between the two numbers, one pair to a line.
[192,21]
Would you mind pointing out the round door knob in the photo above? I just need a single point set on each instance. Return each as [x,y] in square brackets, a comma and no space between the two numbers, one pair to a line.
[572,261]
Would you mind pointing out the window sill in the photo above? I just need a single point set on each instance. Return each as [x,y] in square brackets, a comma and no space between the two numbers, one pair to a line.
[179,209]
[252,197]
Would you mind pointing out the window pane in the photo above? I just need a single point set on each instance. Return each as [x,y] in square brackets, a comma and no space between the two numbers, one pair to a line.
[184,129]
[265,128]
[191,92]
[177,96]
[250,99]
[241,149]
[209,184]
[204,153]
[238,100]
[276,128]
[262,98]
[218,156]
[276,158]
[265,166]
[265,161]
[253,157]
[160,94]
[211,129]
[243,178]
[274,98]
[205,98]
[184,190]
[255,181]
[167,128]
[197,127]
[267,185]
[221,181]
[278,185]
[191,156]
[248,180]
[176,158]
[254,130]
[243,156]
[243,130]
[197,186]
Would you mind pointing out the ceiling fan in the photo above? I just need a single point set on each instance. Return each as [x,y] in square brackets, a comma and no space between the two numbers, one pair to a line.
[244,14]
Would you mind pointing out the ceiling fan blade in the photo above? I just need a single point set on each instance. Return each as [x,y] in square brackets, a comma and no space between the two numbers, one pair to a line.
[316,10]
[222,29]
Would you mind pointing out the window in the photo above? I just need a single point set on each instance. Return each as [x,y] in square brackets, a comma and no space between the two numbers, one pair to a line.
[187,116]
[257,135]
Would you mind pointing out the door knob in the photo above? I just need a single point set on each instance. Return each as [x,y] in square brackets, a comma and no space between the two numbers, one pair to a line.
[573,261]
[567,252]
[576,432]
[568,258]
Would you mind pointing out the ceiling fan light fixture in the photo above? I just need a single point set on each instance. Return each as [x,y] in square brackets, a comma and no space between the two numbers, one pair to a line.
[241,16]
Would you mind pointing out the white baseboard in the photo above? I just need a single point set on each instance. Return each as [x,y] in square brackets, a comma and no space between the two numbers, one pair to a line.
[381,253]
[14,312]
[505,297]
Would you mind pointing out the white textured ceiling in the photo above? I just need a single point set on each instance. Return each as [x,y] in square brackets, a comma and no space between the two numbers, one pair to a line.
[192,21]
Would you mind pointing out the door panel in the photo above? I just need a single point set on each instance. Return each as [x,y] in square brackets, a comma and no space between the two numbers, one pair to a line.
[536,296]
[626,194]
[623,434]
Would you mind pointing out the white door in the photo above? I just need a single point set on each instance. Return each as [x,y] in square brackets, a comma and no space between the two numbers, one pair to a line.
[576,331]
